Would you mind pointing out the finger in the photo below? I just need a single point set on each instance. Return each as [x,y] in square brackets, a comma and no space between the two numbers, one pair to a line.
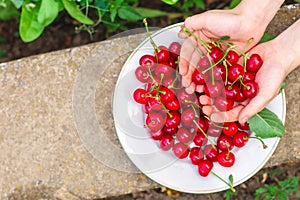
[192,66]
[205,100]
[196,22]
[199,88]
[228,116]
[186,52]
[191,88]
[207,110]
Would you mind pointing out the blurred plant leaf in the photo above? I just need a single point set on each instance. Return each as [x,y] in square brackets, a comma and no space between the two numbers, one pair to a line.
[149,13]
[128,13]
[234,3]
[200,4]
[170,2]
[8,10]
[266,37]
[75,12]
[48,12]
[17,3]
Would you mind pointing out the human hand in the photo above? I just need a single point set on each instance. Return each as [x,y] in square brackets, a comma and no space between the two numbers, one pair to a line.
[269,79]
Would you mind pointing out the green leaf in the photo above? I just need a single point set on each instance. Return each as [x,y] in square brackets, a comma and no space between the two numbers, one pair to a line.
[226,37]
[17,3]
[200,4]
[8,10]
[234,3]
[48,12]
[266,37]
[128,13]
[170,2]
[266,124]
[30,28]
[76,13]
[149,13]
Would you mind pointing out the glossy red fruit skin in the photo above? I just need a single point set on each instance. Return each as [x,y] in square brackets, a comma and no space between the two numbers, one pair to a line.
[211,153]
[163,54]
[220,72]
[155,104]
[235,71]
[199,78]
[204,167]
[214,90]
[188,116]
[147,60]
[216,54]
[173,119]
[254,63]
[142,74]
[154,121]
[140,96]
[232,91]
[214,129]
[200,139]
[232,57]
[196,155]
[174,49]
[240,139]
[223,104]
[202,125]
[162,70]
[184,98]
[166,142]
[166,95]
[250,89]
[157,135]
[248,76]
[224,143]
[173,105]
[203,63]
[184,136]
[226,159]
[170,131]
[230,128]
[244,126]
[180,150]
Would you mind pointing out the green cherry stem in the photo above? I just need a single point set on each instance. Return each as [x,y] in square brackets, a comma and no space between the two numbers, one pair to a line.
[209,139]
[262,142]
[205,45]
[230,185]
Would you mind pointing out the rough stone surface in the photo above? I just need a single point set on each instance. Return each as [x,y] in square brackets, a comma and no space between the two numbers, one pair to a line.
[43,150]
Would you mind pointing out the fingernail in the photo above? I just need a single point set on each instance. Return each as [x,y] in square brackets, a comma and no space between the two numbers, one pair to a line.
[244,120]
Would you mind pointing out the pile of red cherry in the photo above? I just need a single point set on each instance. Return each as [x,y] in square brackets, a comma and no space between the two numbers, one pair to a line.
[174,117]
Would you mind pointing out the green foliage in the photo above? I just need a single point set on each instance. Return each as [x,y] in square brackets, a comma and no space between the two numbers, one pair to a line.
[280,191]
[7,10]
[234,3]
[266,124]
[266,37]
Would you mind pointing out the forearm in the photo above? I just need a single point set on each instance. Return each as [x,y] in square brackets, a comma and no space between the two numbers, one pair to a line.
[260,12]
[289,42]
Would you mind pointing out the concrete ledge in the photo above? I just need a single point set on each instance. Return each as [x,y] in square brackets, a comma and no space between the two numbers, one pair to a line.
[41,151]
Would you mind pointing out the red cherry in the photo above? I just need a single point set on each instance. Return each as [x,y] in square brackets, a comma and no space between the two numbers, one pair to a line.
[142,74]
[166,95]
[202,125]
[173,119]
[200,139]
[157,135]
[180,150]
[226,159]
[211,152]
[232,57]
[254,63]
[140,96]
[154,121]
[162,70]
[188,116]
[147,60]
[172,63]
[184,98]
[183,135]
[213,90]
[224,143]
[244,126]
[204,63]
[163,54]
[199,78]
[173,105]
[232,91]
[223,104]
[196,155]
[174,49]
[235,71]
[240,139]
[170,130]
[230,128]
[204,167]
[250,89]
[214,129]
[248,76]
[216,54]
[155,104]
[220,72]
[166,142]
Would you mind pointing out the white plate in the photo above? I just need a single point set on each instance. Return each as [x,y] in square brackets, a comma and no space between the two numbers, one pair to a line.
[161,166]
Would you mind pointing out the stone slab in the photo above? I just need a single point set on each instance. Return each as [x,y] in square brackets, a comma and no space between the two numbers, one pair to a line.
[51,102]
